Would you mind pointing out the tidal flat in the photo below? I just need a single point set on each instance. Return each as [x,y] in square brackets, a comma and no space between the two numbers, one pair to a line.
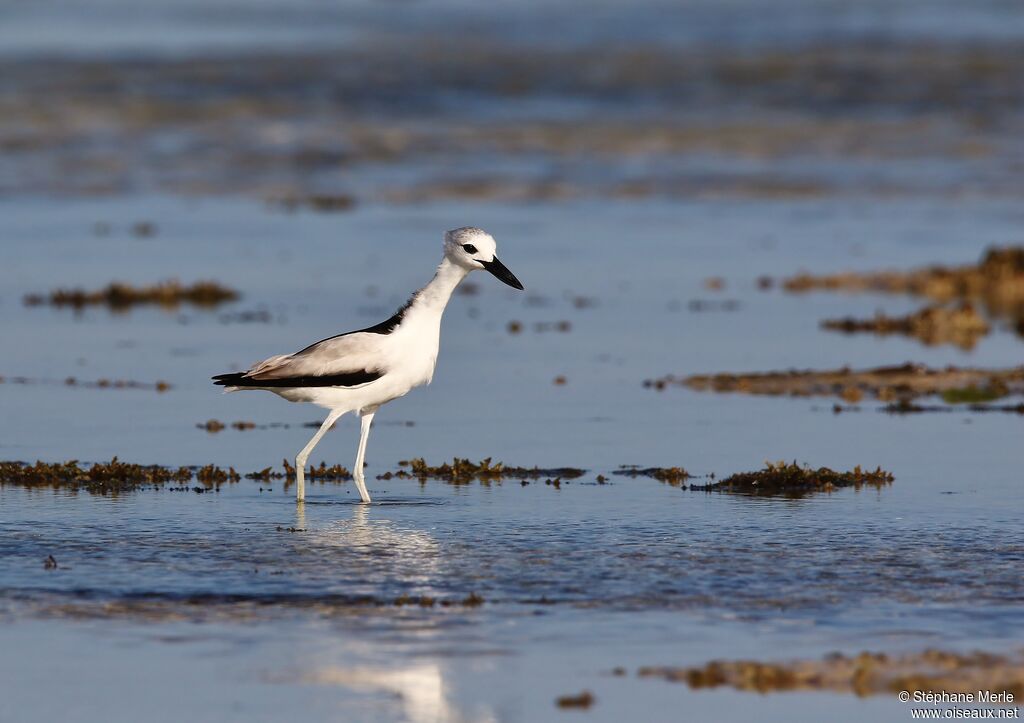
[653,190]
[327,608]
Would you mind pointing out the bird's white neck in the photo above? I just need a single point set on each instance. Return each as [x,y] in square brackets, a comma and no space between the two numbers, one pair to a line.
[434,296]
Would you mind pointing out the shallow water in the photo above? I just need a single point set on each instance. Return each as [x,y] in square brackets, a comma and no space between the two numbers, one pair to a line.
[577,580]
[639,177]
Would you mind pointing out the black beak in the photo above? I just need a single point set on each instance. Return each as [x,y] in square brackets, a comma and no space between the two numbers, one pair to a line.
[502,273]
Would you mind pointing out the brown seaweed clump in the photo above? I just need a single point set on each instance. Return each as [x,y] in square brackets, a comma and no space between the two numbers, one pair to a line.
[997,281]
[322,473]
[581,701]
[675,476]
[463,471]
[864,674]
[961,325]
[907,381]
[213,476]
[116,476]
[119,296]
[110,477]
[792,480]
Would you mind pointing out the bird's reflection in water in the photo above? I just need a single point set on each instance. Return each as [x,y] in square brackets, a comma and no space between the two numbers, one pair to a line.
[370,554]
[420,689]
[386,558]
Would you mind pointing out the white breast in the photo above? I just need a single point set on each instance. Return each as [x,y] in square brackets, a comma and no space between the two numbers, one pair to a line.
[413,347]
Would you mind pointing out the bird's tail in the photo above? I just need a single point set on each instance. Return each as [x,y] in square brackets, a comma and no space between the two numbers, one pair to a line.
[232,379]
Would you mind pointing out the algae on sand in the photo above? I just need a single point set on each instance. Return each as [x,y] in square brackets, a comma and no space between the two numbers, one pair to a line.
[997,281]
[463,471]
[109,477]
[960,325]
[906,381]
[792,480]
[675,476]
[864,674]
[119,296]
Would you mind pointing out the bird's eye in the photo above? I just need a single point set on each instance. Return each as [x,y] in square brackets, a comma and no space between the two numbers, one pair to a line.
[469,248]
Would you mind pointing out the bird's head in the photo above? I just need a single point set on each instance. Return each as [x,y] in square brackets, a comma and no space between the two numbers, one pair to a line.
[473,248]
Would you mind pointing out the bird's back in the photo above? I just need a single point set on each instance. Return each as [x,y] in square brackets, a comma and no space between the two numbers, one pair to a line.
[404,348]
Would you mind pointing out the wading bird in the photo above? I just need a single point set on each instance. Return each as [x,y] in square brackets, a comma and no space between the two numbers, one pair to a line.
[361,370]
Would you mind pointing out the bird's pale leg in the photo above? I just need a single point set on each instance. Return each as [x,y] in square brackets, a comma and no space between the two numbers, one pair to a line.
[301,457]
[357,473]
